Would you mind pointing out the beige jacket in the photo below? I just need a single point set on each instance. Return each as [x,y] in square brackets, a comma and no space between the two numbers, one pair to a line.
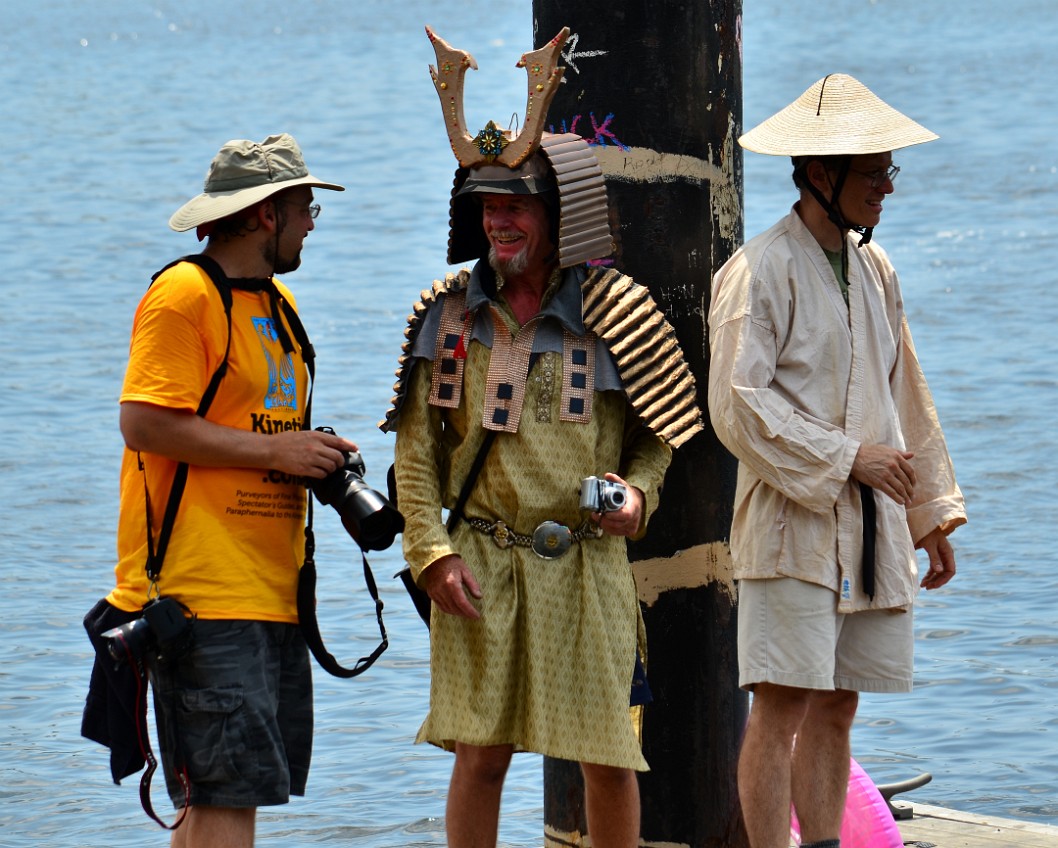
[797,381]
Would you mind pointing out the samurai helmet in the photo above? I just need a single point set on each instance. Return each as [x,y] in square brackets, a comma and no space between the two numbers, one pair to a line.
[559,167]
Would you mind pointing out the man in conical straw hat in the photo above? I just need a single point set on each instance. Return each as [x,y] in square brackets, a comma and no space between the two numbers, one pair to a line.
[565,371]
[815,386]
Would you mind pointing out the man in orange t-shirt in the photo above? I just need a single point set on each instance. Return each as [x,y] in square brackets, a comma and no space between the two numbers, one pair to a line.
[235,711]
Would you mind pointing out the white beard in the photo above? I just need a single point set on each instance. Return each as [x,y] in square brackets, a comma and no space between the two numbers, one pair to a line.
[509,267]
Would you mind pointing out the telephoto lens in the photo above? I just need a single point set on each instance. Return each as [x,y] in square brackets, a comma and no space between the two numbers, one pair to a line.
[366,515]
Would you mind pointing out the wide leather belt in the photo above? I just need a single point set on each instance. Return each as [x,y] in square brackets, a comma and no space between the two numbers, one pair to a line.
[549,540]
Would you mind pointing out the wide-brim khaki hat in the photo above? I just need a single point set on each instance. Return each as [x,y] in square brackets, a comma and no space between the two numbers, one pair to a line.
[244,173]
[838,116]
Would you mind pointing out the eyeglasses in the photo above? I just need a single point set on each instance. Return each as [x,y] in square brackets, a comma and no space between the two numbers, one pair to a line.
[312,211]
[879,177]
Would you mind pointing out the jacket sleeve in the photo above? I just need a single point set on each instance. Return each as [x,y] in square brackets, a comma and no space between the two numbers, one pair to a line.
[938,501]
[644,460]
[417,465]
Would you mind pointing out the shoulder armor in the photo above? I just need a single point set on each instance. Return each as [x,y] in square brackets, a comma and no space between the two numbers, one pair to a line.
[427,298]
[656,377]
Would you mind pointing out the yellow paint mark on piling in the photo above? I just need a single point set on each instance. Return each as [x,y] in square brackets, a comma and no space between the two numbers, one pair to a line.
[643,165]
[697,566]
[554,838]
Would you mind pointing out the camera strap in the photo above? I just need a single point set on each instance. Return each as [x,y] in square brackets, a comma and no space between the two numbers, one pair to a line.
[310,627]
[224,286]
[156,553]
[456,515]
[145,749]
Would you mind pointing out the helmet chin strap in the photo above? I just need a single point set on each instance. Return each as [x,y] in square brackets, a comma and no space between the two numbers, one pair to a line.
[831,206]
[275,240]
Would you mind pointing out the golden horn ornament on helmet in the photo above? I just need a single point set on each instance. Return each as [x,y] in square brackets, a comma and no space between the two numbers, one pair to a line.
[493,145]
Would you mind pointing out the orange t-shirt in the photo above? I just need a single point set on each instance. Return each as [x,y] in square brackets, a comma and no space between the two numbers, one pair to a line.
[238,539]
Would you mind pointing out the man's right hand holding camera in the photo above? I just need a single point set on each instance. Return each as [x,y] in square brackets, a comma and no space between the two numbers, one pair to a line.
[182,436]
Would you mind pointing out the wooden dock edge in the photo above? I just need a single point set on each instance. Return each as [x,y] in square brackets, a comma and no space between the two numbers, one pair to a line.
[946,828]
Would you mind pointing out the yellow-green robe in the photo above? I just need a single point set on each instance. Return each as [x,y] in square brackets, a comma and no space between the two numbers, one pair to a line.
[548,666]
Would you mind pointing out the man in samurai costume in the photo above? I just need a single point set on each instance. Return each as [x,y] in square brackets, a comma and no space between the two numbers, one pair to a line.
[564,372]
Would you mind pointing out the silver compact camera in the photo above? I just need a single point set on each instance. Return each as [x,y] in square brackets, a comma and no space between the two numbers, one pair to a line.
[599,495]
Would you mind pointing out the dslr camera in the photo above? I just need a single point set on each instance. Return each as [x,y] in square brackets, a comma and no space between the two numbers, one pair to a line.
[600,495]
[162,632]
[366,515]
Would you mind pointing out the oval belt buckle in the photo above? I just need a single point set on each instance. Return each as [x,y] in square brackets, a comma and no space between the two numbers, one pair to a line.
[551,540]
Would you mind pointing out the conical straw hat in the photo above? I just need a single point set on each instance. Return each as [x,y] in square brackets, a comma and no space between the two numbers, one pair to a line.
[838,116]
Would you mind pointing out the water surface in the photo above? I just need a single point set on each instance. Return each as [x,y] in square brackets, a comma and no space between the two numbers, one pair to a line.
[114,110]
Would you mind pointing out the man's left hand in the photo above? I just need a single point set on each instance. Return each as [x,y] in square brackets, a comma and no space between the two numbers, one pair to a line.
[941,559]
[624,521]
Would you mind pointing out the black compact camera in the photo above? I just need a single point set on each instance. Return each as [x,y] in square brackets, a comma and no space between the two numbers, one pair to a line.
[600,495]
[162,632]
[367,515]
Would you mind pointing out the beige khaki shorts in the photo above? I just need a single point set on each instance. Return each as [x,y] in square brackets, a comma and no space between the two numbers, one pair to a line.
[791,634]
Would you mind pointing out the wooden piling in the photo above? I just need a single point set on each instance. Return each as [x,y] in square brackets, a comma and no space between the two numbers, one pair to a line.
[658,88]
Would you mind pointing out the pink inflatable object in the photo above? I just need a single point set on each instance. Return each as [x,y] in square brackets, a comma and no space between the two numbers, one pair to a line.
[868,822]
